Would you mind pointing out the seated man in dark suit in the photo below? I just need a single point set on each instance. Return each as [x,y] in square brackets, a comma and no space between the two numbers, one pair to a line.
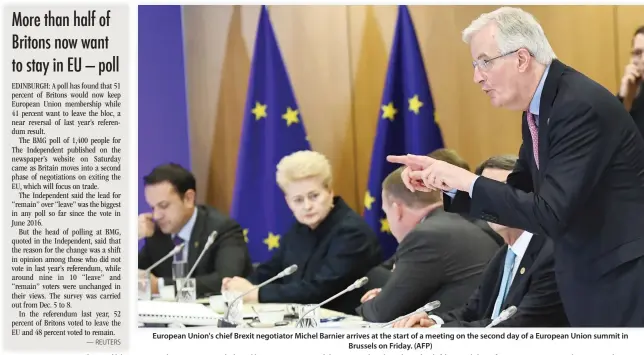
[170,191]
[330,243]
[379,275]
[452,157]
[520,274]
[440,255]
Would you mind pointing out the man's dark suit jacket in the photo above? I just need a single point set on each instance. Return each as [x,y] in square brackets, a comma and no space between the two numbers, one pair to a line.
[441,259]
[587,195]
[329,258]
[637,108]
[227,257]
[533,292]
[488,230]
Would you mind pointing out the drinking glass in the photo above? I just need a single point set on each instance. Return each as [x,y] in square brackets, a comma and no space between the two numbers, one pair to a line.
[145,287]
[186,290]
[234,306]
[308,319]
[179,270]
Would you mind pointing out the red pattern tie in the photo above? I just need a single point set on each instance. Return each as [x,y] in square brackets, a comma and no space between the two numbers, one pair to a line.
[534,132]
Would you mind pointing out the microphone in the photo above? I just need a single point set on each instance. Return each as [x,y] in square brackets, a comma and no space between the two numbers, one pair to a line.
[225,323]
[357,284]
[172,252]
[424,309]
[505,315]
[211,239]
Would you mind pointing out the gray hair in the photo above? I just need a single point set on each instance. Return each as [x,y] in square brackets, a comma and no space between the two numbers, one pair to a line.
[516,29]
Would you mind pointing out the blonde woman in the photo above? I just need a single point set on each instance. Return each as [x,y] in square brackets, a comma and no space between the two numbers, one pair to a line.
[330,243]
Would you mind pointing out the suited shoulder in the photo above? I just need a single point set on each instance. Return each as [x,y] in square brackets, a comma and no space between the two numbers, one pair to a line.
[577,92]
[545,247]
[450,225]
[346,219]
[217,219]
[455,237]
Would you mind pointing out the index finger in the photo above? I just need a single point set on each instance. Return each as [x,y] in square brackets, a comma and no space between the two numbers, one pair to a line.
[398,159]
[421,160]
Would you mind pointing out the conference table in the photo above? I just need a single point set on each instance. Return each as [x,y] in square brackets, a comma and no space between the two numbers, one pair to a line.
[204,312]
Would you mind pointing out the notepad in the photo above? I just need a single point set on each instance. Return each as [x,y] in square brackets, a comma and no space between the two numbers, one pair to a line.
[179,312]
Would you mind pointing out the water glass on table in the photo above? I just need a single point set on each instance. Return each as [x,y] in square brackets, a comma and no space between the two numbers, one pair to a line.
[235,307]
[186,290]
[179,269]
[145,287]
[308,319]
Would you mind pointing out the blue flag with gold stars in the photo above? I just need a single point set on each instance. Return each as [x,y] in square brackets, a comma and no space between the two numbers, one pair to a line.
[272,129]
[406,122]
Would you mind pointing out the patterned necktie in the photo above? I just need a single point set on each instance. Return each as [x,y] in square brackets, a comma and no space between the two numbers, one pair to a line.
[177,240]
[534,132]
[179,256]
[510,256]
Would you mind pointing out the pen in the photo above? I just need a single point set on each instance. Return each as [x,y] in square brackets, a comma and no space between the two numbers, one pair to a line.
[332,319]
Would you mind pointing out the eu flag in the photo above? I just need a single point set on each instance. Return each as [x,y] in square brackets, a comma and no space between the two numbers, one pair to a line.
[272,129]
[406,122]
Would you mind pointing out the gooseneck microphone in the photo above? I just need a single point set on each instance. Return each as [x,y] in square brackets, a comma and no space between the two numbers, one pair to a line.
[172,252]
[209,242]
[505,315]
[356,285]
[424,309]
[225,322]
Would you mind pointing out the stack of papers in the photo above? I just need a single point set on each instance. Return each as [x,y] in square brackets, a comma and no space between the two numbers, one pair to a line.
[175,312]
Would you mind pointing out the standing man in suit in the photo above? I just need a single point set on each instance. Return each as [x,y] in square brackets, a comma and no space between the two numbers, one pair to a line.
[170,191]
[631,88]
[440,256]
[521,274]
[580,175]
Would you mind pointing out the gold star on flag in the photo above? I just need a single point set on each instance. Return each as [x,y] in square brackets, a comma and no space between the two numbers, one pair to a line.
[368,200]
[246,235]
[273,241]
[415,104]
[291,116]
[389,111]
[259,111]
[384,225]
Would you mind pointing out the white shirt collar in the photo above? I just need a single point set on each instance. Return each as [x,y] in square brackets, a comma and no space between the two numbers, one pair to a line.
[519,248]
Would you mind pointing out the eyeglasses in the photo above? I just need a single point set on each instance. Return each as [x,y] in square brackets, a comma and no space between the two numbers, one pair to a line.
[484,64]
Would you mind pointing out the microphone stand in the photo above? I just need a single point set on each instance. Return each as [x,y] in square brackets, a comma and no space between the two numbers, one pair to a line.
[147,271]
[359,283]
[505,315]
[209,242]
[424,309]
[225,322]
[172,252]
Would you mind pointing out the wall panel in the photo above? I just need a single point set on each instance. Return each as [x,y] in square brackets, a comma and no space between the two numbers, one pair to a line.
[337,58]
